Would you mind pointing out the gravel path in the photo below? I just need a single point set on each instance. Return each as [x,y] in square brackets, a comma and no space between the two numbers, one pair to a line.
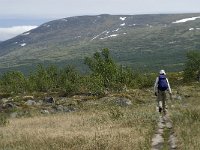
[164,134]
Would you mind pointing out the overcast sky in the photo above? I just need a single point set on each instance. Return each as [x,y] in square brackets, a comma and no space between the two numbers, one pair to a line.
[34,12]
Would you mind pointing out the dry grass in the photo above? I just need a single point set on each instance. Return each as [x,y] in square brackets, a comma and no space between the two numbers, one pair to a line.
[186,118]
[100,126]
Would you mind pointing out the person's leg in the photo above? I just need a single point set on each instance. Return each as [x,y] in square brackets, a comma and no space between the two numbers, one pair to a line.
[159,101]
[164,101]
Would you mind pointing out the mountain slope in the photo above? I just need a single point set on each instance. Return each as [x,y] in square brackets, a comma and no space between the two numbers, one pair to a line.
[140,41]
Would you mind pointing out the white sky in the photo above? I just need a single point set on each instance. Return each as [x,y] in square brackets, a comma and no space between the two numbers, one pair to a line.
[53,9]
[64,8]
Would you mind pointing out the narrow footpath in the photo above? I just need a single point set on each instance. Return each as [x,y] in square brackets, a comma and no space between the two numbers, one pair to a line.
[164,137]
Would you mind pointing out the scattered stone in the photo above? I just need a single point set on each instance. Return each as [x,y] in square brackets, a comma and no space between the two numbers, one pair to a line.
[157,142]
[169,125]
[28,97]
[160,131]
[30,103]
[49,100]
[44,111]
[10,99]
[123,102]
[69,109]
[177,97]
[59,108]
[39,103]
[172,142]
[14,115]
[4,100]
[161,125]
[8,106]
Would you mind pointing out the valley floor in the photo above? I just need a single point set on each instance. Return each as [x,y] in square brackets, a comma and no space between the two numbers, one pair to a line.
[123,121]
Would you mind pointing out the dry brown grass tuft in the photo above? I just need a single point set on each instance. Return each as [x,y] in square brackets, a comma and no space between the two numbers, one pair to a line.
[102,126]
[186,118]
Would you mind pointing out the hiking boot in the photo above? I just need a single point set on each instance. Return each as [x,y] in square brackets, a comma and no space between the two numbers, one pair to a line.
[160,109]
[164,112]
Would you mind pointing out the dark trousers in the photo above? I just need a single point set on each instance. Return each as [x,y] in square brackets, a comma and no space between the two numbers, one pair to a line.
[161,100]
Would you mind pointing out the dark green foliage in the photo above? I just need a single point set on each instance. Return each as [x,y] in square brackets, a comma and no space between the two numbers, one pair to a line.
[102,66]
[109,75]
[105,75]
[69,80]
[13,81]
[44,79]
[192,66]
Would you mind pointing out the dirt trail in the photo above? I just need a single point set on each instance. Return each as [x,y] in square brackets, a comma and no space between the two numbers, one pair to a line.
[164,137]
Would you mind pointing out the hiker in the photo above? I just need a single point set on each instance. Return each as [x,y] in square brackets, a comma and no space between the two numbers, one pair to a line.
[160,87]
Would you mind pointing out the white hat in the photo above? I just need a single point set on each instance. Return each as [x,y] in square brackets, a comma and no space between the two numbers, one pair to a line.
[162,72]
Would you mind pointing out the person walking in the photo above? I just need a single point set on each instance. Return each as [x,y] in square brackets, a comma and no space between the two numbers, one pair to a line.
[160,87]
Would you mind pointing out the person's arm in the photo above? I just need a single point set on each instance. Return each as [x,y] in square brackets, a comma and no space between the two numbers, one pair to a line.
[156,85]
[169,88]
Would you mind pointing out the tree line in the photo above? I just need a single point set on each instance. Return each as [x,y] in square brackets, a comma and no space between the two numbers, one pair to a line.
[104,74]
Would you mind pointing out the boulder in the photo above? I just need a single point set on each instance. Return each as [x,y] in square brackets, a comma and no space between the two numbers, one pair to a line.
[8,105]
[30,102]
[44,111]
[59,108]
[123,101]
[49,100]
[69,109]
[4,100]
[14,115]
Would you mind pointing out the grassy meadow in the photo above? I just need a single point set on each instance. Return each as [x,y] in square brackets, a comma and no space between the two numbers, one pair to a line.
[98,124]
[186,118]
[103,124]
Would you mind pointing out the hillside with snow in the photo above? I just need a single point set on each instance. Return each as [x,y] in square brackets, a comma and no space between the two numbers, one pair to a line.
[139,41]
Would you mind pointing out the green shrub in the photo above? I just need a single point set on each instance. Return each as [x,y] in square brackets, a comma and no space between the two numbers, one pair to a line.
[192,66]
[13,81]
[3,119]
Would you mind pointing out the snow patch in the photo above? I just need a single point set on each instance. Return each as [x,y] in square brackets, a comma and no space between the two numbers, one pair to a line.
[46,25]
[186,19]
[98,35]
[124,33]
[198,28]
[77,37]
[123,24]
[148,25]
[191,29]
[122,18]
[26,33]
[116,30]
[23,44]
[132,25]
[172,42]
[113,35]
[107,32]
[64,19]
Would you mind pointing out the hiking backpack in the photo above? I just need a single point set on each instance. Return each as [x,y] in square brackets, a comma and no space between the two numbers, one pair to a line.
[162,83]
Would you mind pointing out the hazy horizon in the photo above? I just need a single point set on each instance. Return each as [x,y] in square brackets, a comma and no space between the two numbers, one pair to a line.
[17,14]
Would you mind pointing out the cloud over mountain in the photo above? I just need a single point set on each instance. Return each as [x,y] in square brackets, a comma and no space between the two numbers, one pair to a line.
[10,32]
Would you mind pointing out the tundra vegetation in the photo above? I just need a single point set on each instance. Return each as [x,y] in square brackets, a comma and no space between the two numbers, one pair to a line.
[111,107]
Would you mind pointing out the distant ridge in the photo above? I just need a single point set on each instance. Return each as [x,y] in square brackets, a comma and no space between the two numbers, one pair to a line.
[139,41]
